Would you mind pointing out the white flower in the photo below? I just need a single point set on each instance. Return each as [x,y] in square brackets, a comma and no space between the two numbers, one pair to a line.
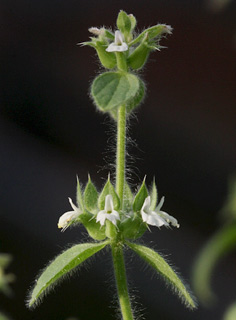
[119,45]
[157,218]
[68,217]
[108,213]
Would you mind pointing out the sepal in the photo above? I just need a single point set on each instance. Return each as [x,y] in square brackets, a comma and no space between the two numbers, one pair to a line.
[154,196]
[79,197]
[128,198]
[133,227]
[139,56]
[141,195]
[95,230]
[154,32]
[108,190]
[90,197]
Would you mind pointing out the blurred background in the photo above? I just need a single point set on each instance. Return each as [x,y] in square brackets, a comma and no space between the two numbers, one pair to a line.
[184,135]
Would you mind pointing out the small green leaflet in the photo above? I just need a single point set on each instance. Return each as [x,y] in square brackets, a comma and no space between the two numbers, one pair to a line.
[162,267]
[62,264]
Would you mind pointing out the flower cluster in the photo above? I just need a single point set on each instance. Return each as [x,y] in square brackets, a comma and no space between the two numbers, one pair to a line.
[138,212]
[135,48]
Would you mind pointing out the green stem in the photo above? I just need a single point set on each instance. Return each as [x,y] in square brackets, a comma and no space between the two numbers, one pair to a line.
[121,282]
[120,152]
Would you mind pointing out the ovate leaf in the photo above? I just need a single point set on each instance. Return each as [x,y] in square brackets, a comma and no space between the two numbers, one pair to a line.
[112,89]
[163,268]
[64,263]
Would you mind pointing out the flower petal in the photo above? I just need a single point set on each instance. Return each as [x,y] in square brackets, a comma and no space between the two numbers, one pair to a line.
[117,48]
[109,204]
[160,204]
[119,38]
[146,204]
[169,219]
[101,217]
[155,220]
[66,218]
[73,205]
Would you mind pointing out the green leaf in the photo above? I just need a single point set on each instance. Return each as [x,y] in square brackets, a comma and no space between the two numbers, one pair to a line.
[112,89]
[141,195]
[230,313]
[163,268]
[134,102]
[154,196]
[64,263]
[108,189]
[219,245]
[79,196]
[3,317]
[90,197]
[128,198]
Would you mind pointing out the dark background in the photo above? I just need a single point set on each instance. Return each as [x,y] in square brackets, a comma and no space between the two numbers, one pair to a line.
[50,131]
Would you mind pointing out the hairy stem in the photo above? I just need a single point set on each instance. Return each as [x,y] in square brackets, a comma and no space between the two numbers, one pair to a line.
[120,152]
[121,282]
